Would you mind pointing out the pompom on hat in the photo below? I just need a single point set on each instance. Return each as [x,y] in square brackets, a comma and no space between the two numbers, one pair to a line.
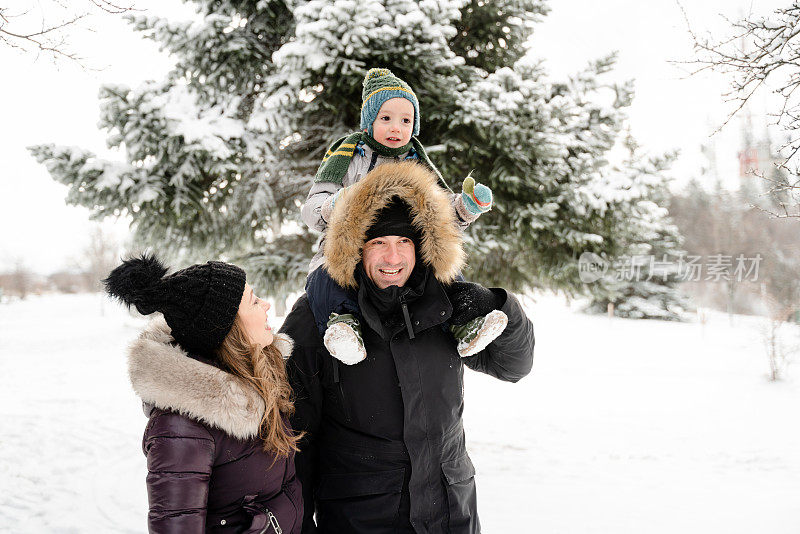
[381,85]
[199,303]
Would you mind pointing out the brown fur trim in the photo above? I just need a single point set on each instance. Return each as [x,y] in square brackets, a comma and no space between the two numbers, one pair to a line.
[432,214]
[163,375]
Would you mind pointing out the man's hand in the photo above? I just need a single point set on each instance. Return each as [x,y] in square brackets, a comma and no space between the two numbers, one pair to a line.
[471,300]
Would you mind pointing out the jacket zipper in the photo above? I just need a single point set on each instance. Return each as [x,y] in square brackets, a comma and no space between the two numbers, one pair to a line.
[407,317]
[273,521]
[257,509]
[338,383]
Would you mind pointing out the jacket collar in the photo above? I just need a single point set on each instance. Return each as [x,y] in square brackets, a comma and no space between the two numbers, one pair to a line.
[428,305]
[163,375]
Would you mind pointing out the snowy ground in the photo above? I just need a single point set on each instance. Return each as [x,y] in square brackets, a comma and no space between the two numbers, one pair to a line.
[623,427]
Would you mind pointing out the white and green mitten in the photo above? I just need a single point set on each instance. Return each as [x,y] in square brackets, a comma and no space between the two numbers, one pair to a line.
[343,338]
[476,335]
[477,319]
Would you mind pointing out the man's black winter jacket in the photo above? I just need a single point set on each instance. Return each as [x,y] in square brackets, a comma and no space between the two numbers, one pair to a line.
[385,450]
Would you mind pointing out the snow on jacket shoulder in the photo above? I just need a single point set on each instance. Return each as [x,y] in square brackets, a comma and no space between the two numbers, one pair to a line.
[207,469]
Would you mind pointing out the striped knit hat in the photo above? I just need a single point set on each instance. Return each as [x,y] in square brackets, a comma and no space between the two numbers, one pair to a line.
[381,85]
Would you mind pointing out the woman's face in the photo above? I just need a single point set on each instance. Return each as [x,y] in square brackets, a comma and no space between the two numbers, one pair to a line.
[253,314]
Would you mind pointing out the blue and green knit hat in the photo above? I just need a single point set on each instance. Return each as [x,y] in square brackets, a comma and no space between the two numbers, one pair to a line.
[381,85]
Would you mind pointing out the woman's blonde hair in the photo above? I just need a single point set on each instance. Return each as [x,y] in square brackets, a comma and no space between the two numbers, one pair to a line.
[264,369]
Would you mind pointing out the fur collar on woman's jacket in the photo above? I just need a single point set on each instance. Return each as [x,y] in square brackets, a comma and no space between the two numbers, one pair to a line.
[162,374]
[431,210]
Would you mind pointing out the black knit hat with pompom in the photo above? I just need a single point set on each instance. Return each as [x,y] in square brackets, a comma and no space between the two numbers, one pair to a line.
[199,303]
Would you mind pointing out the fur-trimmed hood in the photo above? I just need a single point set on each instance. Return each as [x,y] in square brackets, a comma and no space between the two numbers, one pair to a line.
[162,374]
[431,211]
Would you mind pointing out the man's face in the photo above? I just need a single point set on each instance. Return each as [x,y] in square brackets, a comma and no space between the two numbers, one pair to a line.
[389,260]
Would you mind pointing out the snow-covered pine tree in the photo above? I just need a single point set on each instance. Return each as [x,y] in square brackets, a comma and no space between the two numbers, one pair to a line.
[205,173]
[543,149]
[220,154]
[642,283]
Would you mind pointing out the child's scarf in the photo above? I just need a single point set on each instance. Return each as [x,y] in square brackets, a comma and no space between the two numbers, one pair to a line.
[340,154]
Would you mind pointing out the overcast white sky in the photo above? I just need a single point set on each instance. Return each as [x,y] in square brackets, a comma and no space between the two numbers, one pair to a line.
[43,103]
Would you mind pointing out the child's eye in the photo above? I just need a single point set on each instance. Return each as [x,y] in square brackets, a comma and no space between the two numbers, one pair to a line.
[406,121]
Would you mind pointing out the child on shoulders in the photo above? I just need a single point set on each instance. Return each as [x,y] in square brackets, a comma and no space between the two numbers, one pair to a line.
[390,122]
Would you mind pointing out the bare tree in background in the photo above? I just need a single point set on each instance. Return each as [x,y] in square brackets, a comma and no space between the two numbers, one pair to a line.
[719,222]
[39,27]
[19,281]
[779,342]
[102,255]
[764,52]
[780,290]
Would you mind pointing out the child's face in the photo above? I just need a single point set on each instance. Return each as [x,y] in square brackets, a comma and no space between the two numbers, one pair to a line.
[395,123]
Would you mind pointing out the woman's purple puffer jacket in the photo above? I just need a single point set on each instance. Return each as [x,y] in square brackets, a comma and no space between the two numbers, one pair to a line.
[207,470]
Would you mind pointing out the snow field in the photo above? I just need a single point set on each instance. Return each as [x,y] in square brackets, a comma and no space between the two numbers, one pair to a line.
[622,427]
[70,451]
[637,427]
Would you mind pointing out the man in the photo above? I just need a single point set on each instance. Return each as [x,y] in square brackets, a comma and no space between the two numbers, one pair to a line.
[385,448]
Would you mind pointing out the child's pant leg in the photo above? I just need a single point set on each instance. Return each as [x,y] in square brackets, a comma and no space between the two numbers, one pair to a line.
[325,296]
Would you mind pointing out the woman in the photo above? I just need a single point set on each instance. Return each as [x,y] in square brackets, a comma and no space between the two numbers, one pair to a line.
[211,375]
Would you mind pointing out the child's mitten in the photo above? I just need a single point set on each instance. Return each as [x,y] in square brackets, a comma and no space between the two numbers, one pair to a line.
[477,198]
[327,207]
